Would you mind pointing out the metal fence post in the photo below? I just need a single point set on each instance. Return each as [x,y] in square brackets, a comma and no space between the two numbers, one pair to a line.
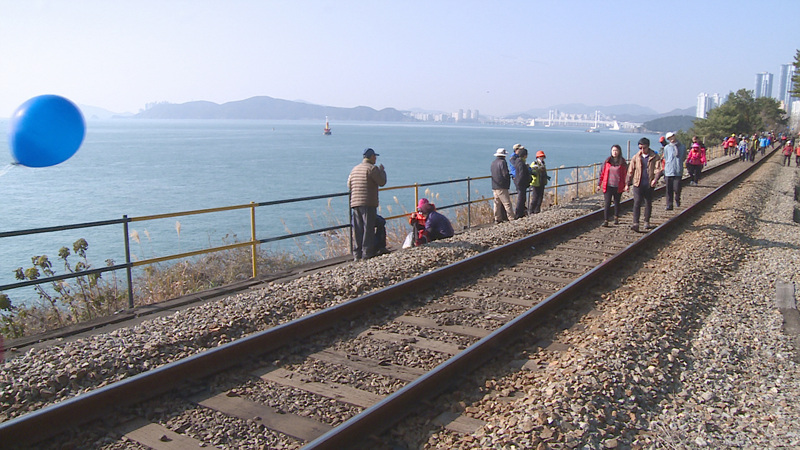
[254,249]
[555,201]
[469,203]
[577,181]
[128,265]
[350,219]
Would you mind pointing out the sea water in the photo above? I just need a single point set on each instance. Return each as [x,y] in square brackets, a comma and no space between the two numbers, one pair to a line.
[145,167]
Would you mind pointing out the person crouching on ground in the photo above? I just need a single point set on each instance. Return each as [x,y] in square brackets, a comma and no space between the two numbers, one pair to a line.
[612,183]
[437,226]
[643,173]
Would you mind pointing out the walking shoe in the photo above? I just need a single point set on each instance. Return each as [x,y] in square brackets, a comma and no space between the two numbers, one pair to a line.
[616,221]
[678,203]
[635,227]
[647,226]
[668,208]
[605,223]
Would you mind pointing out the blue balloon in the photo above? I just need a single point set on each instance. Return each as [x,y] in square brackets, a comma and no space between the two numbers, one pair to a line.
[45,131]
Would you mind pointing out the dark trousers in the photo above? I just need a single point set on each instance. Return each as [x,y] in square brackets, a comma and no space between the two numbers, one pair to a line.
[537,195]
[642,194]
[673,191]
[380,233]
[364,231]
[521,208]
[694,171]
[787,160]
[610,194]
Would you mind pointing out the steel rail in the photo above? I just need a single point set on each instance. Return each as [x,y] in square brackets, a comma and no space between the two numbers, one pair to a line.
[53,419]
[393,408]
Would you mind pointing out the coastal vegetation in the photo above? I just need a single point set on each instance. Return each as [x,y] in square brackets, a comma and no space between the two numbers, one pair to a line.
[62,303]
[742,114]
[671,123]
[66,302]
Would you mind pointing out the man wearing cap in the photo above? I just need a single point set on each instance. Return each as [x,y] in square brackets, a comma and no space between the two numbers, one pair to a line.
[501,181]
[674,156]
[363,183]
[643,172]
[523,182]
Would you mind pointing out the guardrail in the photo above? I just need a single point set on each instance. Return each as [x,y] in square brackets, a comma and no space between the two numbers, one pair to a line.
[573,184]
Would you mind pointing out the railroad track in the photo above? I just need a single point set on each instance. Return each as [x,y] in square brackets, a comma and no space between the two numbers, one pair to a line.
[333,378]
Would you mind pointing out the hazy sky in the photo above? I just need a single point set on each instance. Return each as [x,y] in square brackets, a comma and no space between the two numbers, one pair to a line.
[500,57]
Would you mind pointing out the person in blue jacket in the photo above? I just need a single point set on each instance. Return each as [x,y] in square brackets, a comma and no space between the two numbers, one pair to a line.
[674,157]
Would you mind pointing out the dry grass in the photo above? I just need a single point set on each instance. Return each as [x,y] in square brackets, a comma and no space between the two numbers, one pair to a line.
[66,302]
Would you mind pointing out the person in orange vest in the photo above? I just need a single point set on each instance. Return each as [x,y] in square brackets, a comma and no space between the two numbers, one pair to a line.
[731,145]
[797,155]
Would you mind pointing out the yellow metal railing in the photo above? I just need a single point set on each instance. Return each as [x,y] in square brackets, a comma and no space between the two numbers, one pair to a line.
[559,189]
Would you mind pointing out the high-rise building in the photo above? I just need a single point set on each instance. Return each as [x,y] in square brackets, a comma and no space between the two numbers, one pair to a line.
[763,85]
[784,82]
[785,85]
[706,103]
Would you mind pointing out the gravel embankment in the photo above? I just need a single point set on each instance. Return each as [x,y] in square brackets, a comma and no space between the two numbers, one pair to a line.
[687,352]
[44,376]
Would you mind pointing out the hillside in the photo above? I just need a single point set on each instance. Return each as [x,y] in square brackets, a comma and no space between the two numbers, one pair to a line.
[672,123]
[267,108]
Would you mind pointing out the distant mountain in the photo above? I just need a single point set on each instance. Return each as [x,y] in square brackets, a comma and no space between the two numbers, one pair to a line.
[95,113]
[267,108]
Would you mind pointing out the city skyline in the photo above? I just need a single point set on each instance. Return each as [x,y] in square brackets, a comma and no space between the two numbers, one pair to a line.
[500,58]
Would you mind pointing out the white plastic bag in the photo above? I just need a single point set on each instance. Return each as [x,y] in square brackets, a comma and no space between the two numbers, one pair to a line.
[409,242]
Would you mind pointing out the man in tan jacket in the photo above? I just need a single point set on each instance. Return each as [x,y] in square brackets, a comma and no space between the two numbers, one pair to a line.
[363,183]
[643,174]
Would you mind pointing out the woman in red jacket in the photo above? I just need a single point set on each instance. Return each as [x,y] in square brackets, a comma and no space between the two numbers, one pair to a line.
[612,182]
[695,160]
[787,154]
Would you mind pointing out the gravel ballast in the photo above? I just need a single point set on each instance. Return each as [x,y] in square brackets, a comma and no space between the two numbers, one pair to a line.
[686,351]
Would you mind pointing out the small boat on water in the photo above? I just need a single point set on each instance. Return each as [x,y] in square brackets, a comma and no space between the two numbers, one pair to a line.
[327,130]
[594,129]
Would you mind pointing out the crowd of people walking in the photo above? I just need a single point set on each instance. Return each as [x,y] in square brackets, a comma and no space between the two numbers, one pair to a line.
[640,176]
